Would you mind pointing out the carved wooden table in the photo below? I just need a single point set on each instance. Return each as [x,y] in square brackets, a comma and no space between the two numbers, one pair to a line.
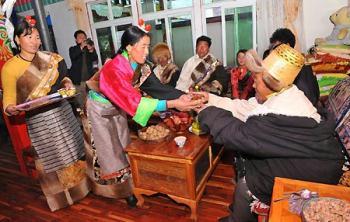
[180,173]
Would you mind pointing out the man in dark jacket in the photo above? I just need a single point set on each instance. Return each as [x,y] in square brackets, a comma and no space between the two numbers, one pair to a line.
[82,56]
[279,133]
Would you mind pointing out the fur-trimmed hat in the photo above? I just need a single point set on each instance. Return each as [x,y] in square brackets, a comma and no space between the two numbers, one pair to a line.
[160,49]
[280,67]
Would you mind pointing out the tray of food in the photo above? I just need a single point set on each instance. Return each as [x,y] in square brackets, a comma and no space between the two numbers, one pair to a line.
[154,134]
[326,209]
[46,100]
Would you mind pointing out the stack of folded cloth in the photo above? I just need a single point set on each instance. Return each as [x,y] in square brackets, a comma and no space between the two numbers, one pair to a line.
[330,64]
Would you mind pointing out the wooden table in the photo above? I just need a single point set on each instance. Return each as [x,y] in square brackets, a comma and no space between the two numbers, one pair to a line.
[279,210]
[181,173]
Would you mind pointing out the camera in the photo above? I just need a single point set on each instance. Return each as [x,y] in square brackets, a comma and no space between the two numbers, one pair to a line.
[89,42]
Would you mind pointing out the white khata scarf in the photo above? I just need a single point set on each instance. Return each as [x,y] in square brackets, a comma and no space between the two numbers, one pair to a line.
[291,102]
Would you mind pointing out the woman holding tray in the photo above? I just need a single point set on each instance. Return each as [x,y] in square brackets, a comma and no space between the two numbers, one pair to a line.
[55,134]
[115,93]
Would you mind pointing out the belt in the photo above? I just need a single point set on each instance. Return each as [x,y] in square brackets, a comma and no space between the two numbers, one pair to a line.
[98,97]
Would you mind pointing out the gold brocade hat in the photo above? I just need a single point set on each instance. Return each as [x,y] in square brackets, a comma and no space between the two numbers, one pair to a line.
[282,66]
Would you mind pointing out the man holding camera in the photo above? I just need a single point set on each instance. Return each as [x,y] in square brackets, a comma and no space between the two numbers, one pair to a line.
[82,56]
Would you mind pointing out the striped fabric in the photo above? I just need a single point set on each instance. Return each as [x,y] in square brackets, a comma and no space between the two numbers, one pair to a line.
[56,137]
[25,5]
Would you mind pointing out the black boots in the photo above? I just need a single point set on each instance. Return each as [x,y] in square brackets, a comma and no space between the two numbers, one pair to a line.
[131,201]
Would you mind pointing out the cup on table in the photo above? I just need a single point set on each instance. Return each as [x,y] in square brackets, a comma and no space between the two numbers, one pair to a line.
[180,141]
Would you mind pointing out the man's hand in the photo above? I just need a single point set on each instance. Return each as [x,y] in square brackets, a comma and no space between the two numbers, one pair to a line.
[204,96]
[83,45]
[67,83]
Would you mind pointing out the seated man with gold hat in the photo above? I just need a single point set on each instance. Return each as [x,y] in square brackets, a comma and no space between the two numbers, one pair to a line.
[279,133]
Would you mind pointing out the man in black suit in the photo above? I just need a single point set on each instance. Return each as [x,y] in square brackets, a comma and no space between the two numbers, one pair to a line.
[82,56]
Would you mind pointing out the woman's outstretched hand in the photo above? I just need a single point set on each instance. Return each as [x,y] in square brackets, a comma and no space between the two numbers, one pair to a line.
[185,103]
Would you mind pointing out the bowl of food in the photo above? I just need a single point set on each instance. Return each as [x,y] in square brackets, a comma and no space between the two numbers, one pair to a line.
[154,133]
[326,209]
[178,121]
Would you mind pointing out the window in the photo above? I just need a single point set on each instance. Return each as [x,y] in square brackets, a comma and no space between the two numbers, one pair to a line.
[181,38]
[100,11]
[239,31]
[214,1]
[175,4]
[231,28]
[150,6]
[105,43]
[158,31]
[230,24]
[121,8]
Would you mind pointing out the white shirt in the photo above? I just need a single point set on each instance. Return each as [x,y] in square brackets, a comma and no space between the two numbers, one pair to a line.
[185,80]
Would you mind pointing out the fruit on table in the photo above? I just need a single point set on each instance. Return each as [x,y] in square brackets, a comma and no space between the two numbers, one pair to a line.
[196,129]
[178,121]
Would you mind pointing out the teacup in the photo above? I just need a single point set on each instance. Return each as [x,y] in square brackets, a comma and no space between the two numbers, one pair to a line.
[180,141]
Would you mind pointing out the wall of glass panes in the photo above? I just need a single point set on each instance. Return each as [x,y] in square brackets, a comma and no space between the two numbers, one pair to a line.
[230,24]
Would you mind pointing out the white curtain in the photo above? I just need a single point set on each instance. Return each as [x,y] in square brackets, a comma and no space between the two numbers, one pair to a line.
[79,10]
[271,16]
[293,21]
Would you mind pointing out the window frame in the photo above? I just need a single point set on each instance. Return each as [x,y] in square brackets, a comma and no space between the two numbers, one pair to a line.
[198,20]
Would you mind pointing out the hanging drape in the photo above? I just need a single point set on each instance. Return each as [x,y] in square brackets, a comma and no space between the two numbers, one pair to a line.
[79,10]
[293,21]
[269,17]
[274,14]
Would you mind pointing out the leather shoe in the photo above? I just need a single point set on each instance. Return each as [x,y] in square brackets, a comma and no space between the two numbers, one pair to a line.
[131,201]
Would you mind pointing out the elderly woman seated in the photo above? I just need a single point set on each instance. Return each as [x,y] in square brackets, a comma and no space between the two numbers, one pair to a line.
[166,71]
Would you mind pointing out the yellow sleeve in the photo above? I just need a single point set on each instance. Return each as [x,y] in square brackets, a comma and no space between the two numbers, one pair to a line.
[9,80]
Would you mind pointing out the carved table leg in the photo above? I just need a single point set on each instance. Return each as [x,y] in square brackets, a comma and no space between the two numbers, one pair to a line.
[138,193]
[193,205]
[140,199]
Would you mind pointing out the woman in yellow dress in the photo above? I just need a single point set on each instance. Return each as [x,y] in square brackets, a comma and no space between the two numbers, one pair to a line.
[55,134]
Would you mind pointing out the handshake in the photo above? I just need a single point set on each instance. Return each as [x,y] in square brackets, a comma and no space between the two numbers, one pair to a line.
[192,101]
